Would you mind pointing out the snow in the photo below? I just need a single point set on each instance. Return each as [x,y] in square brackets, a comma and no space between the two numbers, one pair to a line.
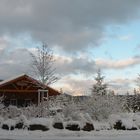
[42,121]
[55,108]
[88,118]
[101,125]
[101,131]
[136,119]
[128,123]
[113,119]
[69,135]
[127,120]
[10,122]
[1,121]
[57,119]
[22,119]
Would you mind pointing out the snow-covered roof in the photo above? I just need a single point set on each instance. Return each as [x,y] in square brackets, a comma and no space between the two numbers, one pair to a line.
[12,78]
[30,78]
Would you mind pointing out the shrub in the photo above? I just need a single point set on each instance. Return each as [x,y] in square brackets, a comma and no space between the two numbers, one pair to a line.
[39,124]
[73,125]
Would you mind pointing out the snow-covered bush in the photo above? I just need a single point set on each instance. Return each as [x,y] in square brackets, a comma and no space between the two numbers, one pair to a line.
[136,119]
[86,122]
[21,122]
[82,122]
[88,118]
[34,111]
[1,121]
[9,124]
[14,111]
[101,125]
[58,122]
[100,107]
[123,121]
[71,112]
[128,121]
[39,124]
[73,125]
[10,112]
[113,118]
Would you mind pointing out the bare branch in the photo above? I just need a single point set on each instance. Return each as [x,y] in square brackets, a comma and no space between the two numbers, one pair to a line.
[43,65]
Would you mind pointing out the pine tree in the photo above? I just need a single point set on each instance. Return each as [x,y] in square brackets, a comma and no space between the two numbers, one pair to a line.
[135,101]
[99,88]
[103,102]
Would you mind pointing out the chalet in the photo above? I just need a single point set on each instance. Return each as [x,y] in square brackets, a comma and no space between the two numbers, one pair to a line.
[24,90]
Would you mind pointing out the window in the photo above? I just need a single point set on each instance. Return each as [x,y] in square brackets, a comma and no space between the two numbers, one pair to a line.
[27,102]
[13,102]
[42,95]
[45,94]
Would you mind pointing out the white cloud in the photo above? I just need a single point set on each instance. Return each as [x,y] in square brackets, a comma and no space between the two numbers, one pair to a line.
[117,64]
[75,86]
[126,37]
[122,85]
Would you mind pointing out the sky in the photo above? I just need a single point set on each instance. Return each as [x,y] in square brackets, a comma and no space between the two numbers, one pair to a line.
[85,35]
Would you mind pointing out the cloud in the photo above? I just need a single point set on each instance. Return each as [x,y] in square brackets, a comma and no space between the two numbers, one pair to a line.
[75,65]
[13,63]
[75,86]
[76,73]
[72,25]
[3,44]
[126,37]
[121,85]
[117,64]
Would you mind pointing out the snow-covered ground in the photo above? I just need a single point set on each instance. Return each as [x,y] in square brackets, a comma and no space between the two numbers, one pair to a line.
[69,135]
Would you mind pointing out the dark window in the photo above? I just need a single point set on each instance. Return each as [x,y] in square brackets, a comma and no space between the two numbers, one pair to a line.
[45,94]
[20,103]
[13,102]
[27,102]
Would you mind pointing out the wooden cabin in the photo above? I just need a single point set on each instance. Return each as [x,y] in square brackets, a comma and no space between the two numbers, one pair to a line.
[24,90]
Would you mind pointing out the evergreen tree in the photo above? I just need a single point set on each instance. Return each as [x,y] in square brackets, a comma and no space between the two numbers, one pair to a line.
[136,101]
[103,101]
[99,88]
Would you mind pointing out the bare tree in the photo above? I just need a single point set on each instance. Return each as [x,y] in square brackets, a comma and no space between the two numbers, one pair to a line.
[43,65]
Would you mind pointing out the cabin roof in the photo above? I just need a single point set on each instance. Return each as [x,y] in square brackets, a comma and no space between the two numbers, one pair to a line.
[22,76]
[11,79]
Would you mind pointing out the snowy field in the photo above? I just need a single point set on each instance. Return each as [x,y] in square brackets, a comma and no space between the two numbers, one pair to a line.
[69,135]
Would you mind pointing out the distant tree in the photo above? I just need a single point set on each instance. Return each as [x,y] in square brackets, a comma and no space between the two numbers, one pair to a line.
[43,65]
[137,81]
[131,101]
[99,88]
[127,102]
[136,101]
